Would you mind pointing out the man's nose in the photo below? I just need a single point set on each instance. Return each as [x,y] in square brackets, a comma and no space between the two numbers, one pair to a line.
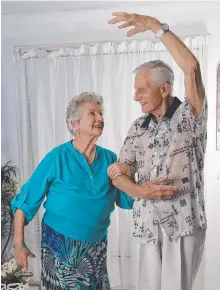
[137,97]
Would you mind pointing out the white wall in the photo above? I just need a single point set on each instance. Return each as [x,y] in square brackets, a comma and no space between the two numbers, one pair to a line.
[212,255]
[91,26]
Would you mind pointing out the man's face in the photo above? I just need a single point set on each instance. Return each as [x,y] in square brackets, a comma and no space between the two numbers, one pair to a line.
[147,92]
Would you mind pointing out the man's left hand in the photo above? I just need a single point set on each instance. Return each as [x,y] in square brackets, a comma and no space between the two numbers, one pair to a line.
[141,23]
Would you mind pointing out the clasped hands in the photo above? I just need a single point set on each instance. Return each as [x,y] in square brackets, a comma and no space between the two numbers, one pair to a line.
[154,189]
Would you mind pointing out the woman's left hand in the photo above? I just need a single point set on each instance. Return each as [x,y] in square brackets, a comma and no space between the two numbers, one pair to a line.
[117,169]
[21,256]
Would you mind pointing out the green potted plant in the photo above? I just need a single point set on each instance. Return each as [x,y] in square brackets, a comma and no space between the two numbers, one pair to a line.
[12,275]
[8,190]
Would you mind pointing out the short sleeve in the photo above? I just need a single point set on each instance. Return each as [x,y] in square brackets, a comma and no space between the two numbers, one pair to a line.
[128,151]
[198,125]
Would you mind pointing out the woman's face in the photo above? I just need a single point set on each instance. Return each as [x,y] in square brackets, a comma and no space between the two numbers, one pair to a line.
[92,122]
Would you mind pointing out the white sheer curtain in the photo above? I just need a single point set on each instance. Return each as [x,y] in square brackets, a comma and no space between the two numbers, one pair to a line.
[46,82]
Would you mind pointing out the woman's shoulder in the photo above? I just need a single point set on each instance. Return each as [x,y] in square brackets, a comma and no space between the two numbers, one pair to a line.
[109,154]
[58,150]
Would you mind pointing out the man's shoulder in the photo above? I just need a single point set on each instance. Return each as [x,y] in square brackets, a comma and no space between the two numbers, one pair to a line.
[139,121]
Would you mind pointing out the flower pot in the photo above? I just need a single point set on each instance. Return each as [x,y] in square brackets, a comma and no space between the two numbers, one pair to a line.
[14,277]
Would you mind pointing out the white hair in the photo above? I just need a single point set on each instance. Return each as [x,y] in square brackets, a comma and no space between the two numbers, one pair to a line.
[74,112]
[160,72]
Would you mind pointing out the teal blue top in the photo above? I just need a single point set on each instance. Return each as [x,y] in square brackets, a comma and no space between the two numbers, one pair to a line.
[79,197]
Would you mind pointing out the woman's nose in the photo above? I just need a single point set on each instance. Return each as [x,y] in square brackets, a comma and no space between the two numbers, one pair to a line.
[99,117]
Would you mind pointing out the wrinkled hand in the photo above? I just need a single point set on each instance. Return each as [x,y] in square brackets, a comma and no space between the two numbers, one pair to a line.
[117,169]
[21,256]
[141,23]
[155,189]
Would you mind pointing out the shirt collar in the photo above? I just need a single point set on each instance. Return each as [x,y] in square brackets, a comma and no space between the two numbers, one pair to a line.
[169,113]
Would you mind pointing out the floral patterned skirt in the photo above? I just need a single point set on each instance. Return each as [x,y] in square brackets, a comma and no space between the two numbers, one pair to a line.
[72,265]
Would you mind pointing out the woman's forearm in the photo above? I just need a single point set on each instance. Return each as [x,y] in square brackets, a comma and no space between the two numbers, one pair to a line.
[124,183]
[19,222]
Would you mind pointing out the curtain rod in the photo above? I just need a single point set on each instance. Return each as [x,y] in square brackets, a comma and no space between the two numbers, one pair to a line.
[105,53]
[50,47]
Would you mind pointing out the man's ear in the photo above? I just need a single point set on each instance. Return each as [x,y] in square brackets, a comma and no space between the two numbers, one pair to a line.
[165,90]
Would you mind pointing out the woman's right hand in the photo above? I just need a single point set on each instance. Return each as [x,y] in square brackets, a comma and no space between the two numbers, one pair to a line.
[21,256]
[116,169]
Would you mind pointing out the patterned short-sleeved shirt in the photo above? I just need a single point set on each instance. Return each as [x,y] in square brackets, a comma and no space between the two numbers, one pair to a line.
[173,147]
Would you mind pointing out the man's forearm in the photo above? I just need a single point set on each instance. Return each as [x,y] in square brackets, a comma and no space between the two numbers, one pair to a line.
[181,54]
[153,189]
[124,183]
[188,63]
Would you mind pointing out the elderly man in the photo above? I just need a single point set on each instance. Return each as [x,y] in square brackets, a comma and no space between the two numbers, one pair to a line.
[169,140]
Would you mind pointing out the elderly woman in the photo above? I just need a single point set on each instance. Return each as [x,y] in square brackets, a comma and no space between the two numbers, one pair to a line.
[79,197]
[79,200]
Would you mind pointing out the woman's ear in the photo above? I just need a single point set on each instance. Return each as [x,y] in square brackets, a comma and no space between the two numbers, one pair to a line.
[75,125]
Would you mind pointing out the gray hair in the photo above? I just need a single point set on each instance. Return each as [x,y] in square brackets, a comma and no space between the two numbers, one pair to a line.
[74,112]
[160,72]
